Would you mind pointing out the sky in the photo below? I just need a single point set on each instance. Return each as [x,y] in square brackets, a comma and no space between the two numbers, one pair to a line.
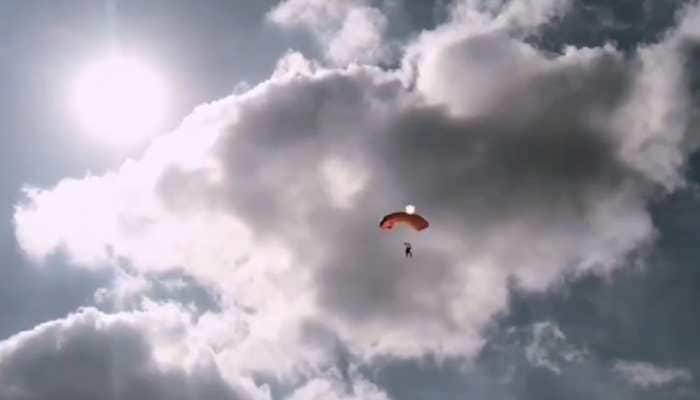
[233,252]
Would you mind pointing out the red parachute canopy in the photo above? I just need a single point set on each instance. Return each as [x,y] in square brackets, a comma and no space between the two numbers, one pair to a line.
[393,220]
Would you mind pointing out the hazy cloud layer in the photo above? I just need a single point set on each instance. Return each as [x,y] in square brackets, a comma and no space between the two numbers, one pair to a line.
[530,165]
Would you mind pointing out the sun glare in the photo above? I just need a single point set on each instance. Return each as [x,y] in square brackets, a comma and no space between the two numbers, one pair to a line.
[119,100]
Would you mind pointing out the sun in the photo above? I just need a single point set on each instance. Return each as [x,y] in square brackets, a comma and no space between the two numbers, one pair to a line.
[119,100]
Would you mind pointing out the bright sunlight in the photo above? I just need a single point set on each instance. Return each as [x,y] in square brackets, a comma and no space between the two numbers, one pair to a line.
[119,100]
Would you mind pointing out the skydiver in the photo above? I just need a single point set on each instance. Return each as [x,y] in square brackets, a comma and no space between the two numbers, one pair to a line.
[409,252]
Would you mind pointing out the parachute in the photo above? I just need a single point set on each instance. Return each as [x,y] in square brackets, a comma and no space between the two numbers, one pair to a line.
[394,220]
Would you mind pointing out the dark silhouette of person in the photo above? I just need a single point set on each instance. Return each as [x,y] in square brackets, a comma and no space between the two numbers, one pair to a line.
[409,249]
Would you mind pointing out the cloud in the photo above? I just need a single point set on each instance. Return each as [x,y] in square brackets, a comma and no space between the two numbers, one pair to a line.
[334,389]
[91,355]
[348,31]
[519,16]
[647,375]
[128,289]
[530,165]
[548,348]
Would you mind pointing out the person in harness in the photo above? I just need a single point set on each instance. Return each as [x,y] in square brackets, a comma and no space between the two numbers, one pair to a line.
[409,249]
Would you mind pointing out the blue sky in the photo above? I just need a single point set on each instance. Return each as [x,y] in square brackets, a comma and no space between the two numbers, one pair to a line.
[233,252]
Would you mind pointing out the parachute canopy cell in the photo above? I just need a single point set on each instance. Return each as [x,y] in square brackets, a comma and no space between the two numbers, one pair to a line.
[394,220]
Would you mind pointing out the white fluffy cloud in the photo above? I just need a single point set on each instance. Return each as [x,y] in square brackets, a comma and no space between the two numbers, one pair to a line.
[91,355]
[350,31]
[529,165]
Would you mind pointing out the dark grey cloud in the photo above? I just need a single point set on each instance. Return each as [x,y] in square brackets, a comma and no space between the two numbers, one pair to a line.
[539,151]
[536,147]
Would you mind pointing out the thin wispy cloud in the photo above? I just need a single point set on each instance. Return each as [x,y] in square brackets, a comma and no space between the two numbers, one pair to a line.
[647,375]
